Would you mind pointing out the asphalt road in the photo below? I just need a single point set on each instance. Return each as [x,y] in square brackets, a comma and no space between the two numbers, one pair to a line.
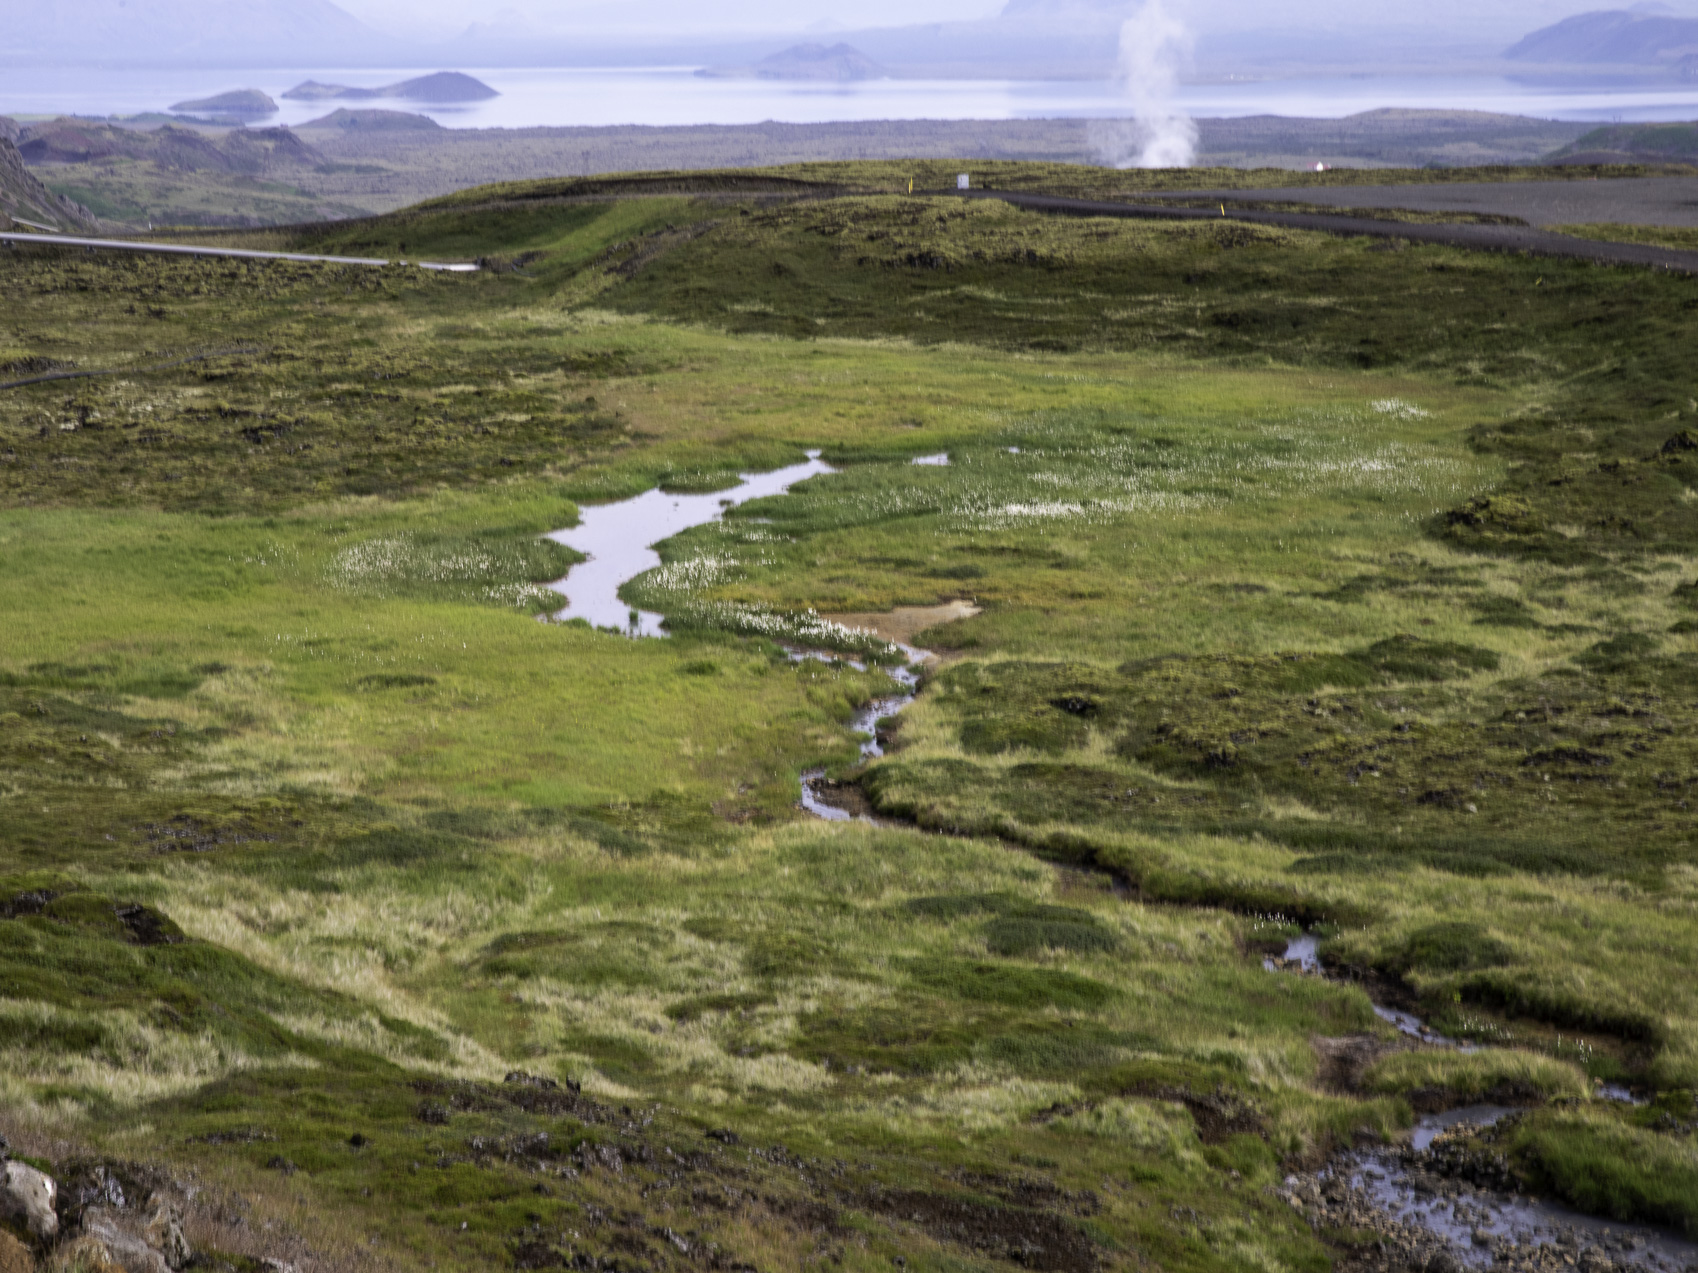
[1489,238]
[1622,200]
[183,249]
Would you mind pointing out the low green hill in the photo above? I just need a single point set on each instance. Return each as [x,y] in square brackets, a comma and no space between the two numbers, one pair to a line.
[1633,143]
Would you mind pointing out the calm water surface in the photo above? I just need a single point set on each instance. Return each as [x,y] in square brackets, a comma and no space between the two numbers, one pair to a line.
[617,539]
[594,96]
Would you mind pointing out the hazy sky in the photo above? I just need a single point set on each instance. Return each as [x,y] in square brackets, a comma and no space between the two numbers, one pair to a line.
[730,17]
[1470,19]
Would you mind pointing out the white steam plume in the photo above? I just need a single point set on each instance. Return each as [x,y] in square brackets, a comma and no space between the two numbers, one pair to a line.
[1153,48]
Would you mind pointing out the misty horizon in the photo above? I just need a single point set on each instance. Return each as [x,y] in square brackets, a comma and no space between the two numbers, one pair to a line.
[1141,70]
[1223,34]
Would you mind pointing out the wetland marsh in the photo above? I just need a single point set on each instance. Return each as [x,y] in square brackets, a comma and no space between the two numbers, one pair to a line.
[1293,586]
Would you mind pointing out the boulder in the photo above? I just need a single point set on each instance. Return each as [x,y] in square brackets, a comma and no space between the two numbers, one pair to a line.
[147,1241]
[30,1196]
[125,1247]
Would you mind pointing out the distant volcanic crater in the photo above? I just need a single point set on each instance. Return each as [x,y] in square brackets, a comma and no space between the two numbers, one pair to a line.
[445,88]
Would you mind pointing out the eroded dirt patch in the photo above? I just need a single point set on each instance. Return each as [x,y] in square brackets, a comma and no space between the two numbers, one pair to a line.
[904,623]
[1032,1239]
[1343,1061]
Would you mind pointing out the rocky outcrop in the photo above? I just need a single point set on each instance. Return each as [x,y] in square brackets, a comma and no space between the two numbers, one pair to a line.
[23,197]
[374,121]
[151,1241]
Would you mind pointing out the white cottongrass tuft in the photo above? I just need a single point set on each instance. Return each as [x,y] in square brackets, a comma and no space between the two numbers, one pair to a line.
[1400,409]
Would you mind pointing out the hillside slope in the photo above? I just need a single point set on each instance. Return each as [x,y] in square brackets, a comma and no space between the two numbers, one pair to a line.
[1616,36]
[22,196]
[1633,143]
[182,176]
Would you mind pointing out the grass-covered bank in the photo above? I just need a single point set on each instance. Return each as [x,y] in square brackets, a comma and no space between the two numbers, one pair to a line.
[1317,583]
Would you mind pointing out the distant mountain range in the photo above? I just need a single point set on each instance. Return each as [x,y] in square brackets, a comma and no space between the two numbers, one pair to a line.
[1619,37]
[1036,39]
[840,63]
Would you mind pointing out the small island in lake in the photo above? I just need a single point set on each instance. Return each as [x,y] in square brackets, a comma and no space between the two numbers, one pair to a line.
[444,87]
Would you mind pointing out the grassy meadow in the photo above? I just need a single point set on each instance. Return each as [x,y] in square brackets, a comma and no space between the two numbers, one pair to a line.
[1320,583]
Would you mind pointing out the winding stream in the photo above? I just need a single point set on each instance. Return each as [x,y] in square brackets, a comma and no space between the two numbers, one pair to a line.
[1480,1226]
[865,722]
[1303,953]
[618,540]
[1483,1227]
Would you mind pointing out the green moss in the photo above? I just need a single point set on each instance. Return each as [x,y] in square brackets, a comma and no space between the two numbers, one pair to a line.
[1451,947]
[1047,928]
[1009,985]
[1607,1168]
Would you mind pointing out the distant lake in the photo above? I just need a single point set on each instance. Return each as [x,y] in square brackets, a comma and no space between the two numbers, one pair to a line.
[675,95]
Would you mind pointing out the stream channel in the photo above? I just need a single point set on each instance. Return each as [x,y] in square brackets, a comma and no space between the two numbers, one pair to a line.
[1482,1226]
[617,539]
